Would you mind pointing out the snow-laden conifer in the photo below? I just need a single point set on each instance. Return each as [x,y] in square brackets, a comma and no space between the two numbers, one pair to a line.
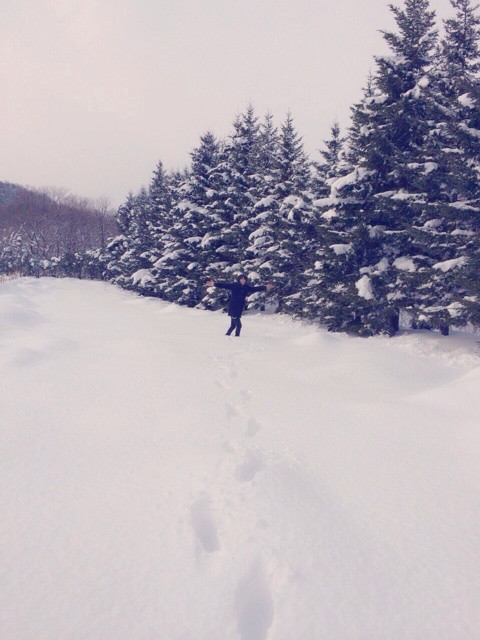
[446,229]
[375,205]
[190,241]
[331,164]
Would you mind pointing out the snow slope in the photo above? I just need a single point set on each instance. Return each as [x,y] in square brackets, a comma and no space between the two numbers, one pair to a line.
[162,481]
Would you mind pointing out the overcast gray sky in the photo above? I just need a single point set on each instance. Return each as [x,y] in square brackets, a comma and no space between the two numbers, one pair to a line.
[94,92]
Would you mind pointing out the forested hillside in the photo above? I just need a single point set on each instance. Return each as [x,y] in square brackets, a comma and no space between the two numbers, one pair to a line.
[50,230]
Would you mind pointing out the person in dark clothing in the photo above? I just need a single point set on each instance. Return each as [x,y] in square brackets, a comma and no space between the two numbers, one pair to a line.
[239,291]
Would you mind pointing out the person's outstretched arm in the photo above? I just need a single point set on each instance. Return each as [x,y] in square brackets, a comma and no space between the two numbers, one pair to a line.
[219,284]
[265,287]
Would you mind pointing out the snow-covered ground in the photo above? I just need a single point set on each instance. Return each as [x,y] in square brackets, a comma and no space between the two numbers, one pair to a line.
[160,481]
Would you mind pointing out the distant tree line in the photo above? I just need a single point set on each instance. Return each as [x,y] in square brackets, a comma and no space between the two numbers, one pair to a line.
[52,232]
[387,221]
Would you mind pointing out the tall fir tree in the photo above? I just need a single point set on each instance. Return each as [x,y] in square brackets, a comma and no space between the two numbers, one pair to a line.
[159,211]
[137,259]
[446,229]
[295,233]
[258,228]
[117,270]
[332,163]
[377,203]
[461,61]
[277,230]
[191,241]
[240,172]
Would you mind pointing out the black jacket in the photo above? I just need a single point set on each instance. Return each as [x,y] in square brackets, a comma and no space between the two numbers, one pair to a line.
[238,294]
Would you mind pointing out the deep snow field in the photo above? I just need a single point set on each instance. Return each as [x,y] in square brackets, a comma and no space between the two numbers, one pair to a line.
[160,481]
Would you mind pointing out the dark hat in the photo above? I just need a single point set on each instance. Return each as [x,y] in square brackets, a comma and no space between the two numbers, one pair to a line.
[242,275]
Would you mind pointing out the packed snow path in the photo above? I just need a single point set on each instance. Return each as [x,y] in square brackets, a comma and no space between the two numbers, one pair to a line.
[162,481]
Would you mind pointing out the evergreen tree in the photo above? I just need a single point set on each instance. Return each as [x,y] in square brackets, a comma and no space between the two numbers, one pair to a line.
[295,234]
[159,217]
[278,239]
[332,163]
[125,215]
[159,190]
[460,46]
[116,270]
[138,257]
[241,182]
[329,295]
[445,226]
[268,142]
[129,255]
[263,225]
[461,51]
[191,242]
[376,204]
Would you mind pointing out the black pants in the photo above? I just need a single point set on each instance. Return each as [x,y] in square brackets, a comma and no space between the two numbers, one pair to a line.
[236,324]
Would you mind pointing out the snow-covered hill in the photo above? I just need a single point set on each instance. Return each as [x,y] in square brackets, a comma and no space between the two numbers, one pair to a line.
[162,481]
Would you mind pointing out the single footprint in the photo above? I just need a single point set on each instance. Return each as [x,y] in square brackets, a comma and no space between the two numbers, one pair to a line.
[231,411]
[248,469]
[233,371]
[226,446]
[253,427]
[254,605]
[204,525]
[27,356]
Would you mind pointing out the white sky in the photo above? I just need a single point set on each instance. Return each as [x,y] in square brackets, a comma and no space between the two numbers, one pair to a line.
[94,92]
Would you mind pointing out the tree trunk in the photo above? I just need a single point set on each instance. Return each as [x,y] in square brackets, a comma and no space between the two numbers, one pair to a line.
[395,321]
